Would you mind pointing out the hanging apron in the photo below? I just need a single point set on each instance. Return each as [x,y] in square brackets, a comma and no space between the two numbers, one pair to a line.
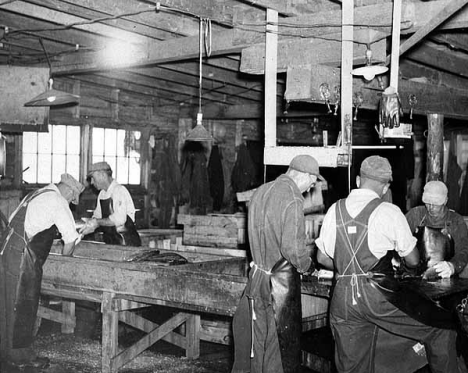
[21,276]
[128,237]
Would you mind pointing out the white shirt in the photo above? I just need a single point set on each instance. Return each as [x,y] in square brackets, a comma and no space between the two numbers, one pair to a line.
[122,204]
[387,229]
[48,209]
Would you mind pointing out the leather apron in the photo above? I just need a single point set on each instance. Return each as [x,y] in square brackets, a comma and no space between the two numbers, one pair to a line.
[128,237]
[21,271]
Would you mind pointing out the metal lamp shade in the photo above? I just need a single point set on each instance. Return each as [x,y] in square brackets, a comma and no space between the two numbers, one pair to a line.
[199,133]
[52,97]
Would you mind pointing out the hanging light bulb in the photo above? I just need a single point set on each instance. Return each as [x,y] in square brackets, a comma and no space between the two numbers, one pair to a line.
[199,133]
[369,71]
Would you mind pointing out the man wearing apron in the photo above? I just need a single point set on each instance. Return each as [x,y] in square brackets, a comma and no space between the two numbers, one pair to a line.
[115,212]
[356,236]
[267,322]
[25,245]
[435,214]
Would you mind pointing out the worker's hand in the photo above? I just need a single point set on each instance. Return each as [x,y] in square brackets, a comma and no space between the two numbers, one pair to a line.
[90,226]
[444,269]
[390,108]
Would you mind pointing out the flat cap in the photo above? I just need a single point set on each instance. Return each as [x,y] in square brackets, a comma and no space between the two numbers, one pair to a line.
[74,185]
[306,163]
[376,168]
[99,166]
[435,193]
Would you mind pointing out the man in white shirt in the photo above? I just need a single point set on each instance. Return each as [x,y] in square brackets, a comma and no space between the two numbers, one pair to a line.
[356,235]
[115,212]
[25,246]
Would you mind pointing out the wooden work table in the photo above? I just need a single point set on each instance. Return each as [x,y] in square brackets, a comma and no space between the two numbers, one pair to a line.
[208,283]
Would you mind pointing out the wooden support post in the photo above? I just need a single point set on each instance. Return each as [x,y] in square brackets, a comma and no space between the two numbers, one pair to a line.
[271,62]
[110,323]
[68,309]
[192,335]
[435,147]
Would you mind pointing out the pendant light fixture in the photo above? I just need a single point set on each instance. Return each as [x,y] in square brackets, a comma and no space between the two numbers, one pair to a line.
[199,133]
[369,71]
[52,97]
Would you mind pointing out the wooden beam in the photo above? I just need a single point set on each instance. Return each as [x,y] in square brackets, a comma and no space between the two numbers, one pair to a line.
[307,52]
[441,58]
[60,18]
[161,52]
[451,8]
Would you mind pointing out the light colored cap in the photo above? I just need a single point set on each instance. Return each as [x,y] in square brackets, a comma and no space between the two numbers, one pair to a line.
[307,164]
[76,187]
[99,166]
[435,193]
[376,168]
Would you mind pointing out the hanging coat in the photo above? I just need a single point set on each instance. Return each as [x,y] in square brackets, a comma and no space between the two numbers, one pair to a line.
[216,177]
[243,175]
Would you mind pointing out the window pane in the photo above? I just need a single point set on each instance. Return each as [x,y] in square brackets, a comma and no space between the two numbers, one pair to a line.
[59,139]
[98,142]
[112,163]
[44,142]
[44,168]
[121,143]
[30,142]
[73,140]
[58,167]
[30,165]
[111,141]
[122,168]
[73,166]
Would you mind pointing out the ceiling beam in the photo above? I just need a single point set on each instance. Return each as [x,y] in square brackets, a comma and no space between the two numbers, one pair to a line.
[161,52]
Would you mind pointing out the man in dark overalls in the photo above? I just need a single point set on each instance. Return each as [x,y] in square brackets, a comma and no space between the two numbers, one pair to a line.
[115,212]
[25,245]
[357,234]
[267,324]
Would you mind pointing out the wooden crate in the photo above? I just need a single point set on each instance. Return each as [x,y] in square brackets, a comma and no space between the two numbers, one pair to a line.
[217,230]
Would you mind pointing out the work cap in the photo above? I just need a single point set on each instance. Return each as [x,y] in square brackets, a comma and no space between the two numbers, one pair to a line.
[435,193]
[306,163]
[99,166]
[376,168]
[74,185]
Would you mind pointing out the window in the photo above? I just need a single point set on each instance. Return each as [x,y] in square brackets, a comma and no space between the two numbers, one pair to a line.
[47,155]
[121,149]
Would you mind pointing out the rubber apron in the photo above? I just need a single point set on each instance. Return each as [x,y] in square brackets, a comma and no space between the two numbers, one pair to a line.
[127,237]
[21,276]
[282,286]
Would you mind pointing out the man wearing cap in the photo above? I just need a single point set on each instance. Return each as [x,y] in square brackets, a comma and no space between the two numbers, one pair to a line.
[267,323]
[435,214]
[115,212]
[25,246]
[357,239]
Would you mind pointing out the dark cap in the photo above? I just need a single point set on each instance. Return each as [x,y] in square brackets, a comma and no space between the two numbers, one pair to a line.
[99,166]
[376,168]
[74,185]
[307,164]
